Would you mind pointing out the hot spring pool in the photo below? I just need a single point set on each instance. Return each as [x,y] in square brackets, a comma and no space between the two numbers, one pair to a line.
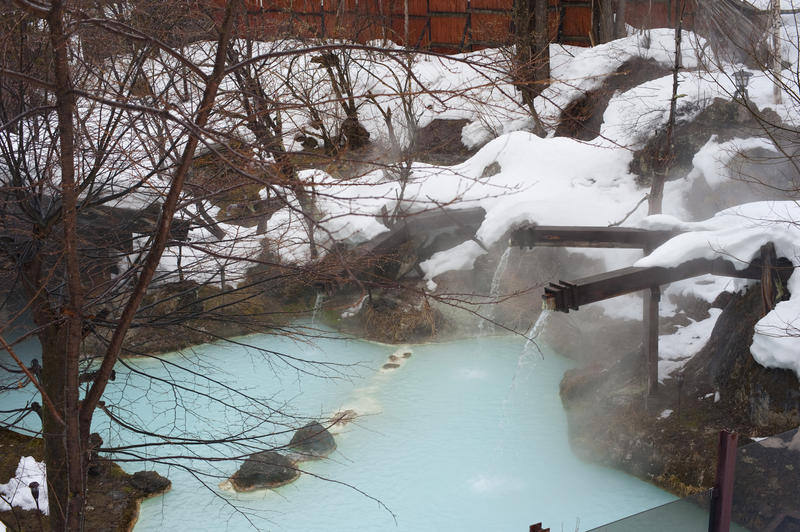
[467,435]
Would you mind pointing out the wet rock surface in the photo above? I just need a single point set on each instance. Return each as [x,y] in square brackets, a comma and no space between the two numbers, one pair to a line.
[150,482]
[768,398]
[765,495]
[264,470]
[313,441]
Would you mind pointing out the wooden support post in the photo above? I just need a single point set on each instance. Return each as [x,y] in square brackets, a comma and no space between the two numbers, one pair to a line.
[650,325]
[722,499]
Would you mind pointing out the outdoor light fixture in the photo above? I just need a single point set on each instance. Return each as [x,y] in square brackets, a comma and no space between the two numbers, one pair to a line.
[741,78]
[34,487]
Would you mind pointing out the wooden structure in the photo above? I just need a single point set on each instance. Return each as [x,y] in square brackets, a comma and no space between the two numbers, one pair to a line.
[564,296]
[590,237]
[719,519]
[452,25]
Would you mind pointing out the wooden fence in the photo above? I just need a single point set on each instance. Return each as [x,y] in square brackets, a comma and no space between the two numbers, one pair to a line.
[445,25]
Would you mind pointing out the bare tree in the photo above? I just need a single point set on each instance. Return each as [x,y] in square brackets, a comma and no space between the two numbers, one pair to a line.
[49,250]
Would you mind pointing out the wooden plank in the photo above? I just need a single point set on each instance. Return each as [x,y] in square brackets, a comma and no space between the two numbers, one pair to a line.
[722,497]
[650,341]
[505,5]
[448,30]
[644,15]
[577,20]
[565,296]
[447,6]
[417,30]
[415,7]
[590,236]
[490,27]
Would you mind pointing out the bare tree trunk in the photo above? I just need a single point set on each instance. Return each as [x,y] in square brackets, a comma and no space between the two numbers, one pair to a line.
[666,153]
[619,20]
[541,42]
[775,7]
[531,53]
[605,28]
[405,24]
[72,455]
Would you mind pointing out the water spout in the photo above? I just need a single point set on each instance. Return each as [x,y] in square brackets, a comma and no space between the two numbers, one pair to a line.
[538,326]
[317,306]
[486,324]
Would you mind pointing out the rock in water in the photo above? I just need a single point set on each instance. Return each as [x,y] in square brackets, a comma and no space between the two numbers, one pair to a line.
[150,483]
[264,470]
[313,441]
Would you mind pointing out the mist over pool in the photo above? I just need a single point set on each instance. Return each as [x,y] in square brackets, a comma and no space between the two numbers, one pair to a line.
[467,435]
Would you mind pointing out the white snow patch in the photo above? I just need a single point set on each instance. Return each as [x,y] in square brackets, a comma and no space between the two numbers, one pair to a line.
[712,162]
[591,66]
[17,490]
[706,287]
[676,349]
[461,257]
[665,414]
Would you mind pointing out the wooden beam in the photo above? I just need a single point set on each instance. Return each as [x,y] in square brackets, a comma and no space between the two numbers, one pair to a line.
[722,496]
[590,237]
[565,296]
[652,297]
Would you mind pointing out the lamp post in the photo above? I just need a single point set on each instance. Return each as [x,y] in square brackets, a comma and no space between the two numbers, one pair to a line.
[741,78]
[34,487]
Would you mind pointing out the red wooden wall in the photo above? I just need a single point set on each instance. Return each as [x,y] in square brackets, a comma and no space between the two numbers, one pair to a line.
[442,25]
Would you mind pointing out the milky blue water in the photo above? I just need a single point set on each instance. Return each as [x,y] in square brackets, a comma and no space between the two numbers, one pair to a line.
[467,436]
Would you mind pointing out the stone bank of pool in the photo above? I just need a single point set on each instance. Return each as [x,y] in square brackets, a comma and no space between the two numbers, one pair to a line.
[467,436]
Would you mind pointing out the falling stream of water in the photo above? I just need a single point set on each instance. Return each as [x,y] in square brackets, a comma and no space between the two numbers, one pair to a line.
[486,324]
[536,329]
[317,306]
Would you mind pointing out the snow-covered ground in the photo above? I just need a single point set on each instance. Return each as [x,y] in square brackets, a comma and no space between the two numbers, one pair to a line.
[16,492]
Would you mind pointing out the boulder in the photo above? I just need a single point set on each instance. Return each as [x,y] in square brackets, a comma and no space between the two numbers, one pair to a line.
[313,441]
[150,483]
[264,470]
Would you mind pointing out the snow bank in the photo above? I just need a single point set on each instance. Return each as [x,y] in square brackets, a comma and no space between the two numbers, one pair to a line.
[633,116]
[17,489]
[676,349]
[591,66]
[461,257]
[541,180]
[712,162]
[737,234]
